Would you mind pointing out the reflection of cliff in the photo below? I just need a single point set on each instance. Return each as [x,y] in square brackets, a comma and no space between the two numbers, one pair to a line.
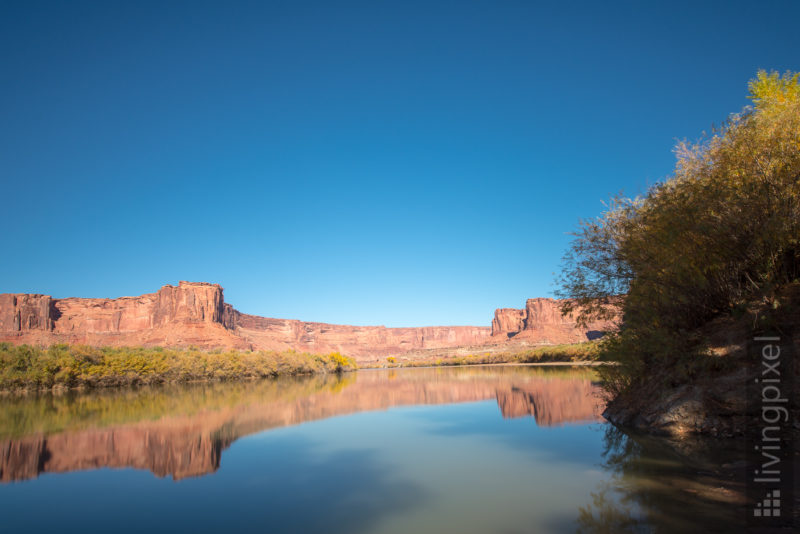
[551,403]
[179,451]
[184,445]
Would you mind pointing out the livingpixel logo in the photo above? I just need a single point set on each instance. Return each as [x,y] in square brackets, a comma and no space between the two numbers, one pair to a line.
[770,506]
[770,485]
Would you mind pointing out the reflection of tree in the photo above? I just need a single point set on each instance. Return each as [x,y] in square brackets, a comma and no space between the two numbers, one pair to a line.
[653,488]
[611,510]
[604,516]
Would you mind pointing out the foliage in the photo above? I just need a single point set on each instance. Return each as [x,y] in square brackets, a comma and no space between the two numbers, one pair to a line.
[722,231]
[26,366]
[341,362]
[571,353]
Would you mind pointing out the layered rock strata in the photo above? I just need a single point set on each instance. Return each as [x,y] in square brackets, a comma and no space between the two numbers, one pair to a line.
[195,314]
[541,321]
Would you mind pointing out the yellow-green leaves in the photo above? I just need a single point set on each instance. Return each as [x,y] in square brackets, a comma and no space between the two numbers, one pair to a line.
[770,88]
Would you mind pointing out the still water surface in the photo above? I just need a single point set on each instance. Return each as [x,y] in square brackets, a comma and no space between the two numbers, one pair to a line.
[501,449]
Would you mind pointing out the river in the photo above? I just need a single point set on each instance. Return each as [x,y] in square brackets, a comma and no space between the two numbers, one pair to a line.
[480,449]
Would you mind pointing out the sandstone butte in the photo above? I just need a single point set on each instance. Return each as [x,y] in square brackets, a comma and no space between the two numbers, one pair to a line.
[195,314]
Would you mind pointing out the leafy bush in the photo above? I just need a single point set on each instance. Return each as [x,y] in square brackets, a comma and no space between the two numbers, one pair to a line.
[576,352]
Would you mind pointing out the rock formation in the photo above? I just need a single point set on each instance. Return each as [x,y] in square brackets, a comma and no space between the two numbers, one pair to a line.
[195,313]
[541,321]
[189,314]
[25,312]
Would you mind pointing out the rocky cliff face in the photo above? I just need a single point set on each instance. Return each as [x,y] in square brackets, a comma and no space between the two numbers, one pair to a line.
[541,321]
[189,314]
[170,305]
[187,303]
[196,314]
[282,334]
[24,312]
[508,320]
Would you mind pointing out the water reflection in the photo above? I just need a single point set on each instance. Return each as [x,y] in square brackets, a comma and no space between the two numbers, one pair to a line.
[654,486]
[182,431]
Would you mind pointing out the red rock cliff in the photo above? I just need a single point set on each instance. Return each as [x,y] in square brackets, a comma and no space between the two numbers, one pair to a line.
[23,312]
[196,314]
[189,314]
[541,321]
[170,305]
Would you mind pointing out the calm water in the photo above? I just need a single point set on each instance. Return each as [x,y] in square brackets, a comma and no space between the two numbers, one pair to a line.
[461,450]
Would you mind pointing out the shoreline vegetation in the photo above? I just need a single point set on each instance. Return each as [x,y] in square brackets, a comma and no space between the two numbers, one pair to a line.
[29,368]
[574,353]
[25,367]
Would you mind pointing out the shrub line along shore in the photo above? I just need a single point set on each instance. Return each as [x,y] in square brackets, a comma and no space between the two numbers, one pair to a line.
[575,353]
[26,367]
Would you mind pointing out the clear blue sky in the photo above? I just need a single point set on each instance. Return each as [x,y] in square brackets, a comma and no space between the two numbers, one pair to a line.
[400,163]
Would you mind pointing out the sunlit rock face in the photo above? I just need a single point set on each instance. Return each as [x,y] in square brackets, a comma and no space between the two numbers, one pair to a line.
[541,321]
[357,341]
[508,321]
[25,312]
[182,432]
[189,314]
[196,314]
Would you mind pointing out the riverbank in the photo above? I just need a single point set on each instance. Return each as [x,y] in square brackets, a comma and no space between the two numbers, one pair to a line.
[573,354]
[707,395]
[26,367]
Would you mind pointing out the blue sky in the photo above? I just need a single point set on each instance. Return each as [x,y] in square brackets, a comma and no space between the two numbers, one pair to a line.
[397,163]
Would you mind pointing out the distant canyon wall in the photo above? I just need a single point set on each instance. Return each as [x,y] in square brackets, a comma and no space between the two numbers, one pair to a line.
[195,314]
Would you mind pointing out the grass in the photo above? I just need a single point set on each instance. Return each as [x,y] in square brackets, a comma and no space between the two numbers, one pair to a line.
[28,367]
